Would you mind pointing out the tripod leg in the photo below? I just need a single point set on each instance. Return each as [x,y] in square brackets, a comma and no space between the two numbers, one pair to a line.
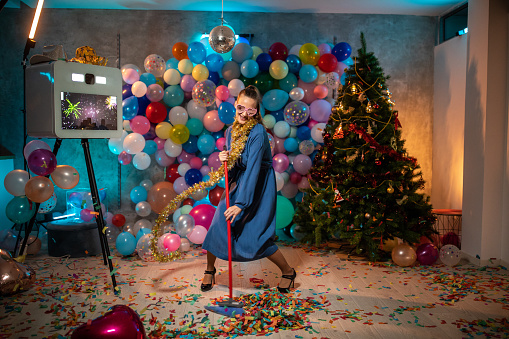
[97,208]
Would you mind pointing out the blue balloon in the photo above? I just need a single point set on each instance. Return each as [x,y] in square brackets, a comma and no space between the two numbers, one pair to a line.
[150,147]
[264,60]
[102,194]
[342,79]
[241,39]
[173,96]
[125,243]
[214,62]
[193,176]
[249,68]
[275,99]
[299,197]
[342,51]
[308,73]
[141,233]
[348,61]
[206,144]
[143,102]
[226,112]
[303,133]
[191,145]
[294,63]
[218,135]
[279,114]
[288,83]
[204,201]
[196,52]
[172,64]
[262,110]
[214,77]
[129,108]
[291,144]
[126,91]
[148,79]
[138,194]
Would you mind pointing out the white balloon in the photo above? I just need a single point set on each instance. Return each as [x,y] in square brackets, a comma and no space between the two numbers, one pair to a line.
[317,132]
[142,223]
[134,143]
[172,149]
[295,50]
[285,176]
[196,111]
[183,168]
[143,209]
[296,94]
[126,125]
[185,245]
[116,145]
[147,184]
[235,86]
[322,76]
[281,129]
[141,161]
[172,77]
[178,115]
[139,89]
[280,182]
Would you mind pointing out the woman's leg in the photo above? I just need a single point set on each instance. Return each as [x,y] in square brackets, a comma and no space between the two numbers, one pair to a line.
[280,261]
[211,260]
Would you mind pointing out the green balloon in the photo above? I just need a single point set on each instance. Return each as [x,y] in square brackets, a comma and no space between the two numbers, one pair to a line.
[284,212]
[246,81]
[195,126]
[264,82]
[20,210]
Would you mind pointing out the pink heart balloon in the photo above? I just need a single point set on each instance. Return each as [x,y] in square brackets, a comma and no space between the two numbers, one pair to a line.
[121,322]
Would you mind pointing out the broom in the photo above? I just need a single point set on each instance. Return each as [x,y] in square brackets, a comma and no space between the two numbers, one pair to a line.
[228,307]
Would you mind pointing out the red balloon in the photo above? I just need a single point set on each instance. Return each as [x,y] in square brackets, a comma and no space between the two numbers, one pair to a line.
[156,112]
[121,322]
[203,215]
[295,178]
[278,51]
[172,173]
[327,63]
[118,220]
[215,195]
[188,201]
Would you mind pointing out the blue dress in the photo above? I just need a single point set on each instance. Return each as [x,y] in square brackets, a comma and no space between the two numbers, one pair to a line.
[253,231]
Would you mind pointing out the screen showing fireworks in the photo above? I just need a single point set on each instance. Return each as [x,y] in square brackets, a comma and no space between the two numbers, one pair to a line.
[88,111]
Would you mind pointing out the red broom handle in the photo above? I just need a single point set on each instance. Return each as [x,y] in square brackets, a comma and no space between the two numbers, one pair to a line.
[228,222]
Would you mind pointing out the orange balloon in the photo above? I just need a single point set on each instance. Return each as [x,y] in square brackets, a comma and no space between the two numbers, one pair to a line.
[39,189]
[404,255]
[179,51]
[160,195]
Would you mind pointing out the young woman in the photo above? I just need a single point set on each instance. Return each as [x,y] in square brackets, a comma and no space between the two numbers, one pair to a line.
[253,198]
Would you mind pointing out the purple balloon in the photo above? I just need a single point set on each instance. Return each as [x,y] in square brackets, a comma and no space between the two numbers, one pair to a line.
[151,134]
[163,159]
[185,157]
[124,158]
[204,170]
[302,163]
[42,162]
[187,83]
[427,254]
[180,185]
[280,162]
[214,161]
[320,110]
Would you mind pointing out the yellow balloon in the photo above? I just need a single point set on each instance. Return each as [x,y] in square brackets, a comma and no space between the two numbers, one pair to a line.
[185,66]
[278,69]
[309,54]
[163,130]
[404,255]
[179,134]
[172,77]
[389,244]
[200,72]
[256,52]
[160,82]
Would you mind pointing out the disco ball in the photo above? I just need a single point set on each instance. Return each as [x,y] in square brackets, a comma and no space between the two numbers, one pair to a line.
[222,39]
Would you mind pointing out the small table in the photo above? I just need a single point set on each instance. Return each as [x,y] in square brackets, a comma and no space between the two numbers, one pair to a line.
[448,226]
[74,239]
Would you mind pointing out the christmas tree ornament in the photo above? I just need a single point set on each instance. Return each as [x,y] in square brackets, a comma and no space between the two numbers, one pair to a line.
[369,107]
[354,89]
[367,215]
[390,189]
[378,162]
[376,106]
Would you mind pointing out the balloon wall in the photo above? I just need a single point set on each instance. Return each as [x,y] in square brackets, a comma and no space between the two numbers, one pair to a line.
[176,110]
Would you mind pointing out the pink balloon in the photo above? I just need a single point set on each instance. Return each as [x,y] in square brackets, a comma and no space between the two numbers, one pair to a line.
[222,93]
[163,159]
[124,158]
[302,163]
[86,215]
[311,123]
[220,143]
[309,95]
[340,68]
[324,49]
[280,162]
[321,91]
[279,145]
[320,110]
[187,83]
[212,122]
[160,142]
[197,235]
[303,184]
[140,124]
[203,215]
[295,177]
[33,145]
[172,242]
[130,75]
[213,161]
[185,157]
[196,163]
[204,170]
[289,190]
[155,93]
[231,100]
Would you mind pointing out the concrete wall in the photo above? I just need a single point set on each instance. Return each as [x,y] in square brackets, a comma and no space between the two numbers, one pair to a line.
[448,123]
[404,45]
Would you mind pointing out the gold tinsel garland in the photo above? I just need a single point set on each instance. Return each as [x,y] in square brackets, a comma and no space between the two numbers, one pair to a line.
[239,136]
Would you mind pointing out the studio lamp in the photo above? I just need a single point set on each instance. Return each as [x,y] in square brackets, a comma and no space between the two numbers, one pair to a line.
[30,40]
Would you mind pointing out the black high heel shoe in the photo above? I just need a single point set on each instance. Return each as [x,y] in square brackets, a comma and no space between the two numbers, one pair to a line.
[208,287]
[292,282]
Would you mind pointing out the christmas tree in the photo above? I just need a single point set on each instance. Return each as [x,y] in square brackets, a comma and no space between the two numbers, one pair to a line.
[364,186]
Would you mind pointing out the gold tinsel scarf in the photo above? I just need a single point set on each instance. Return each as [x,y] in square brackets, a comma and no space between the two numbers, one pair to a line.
[239,136]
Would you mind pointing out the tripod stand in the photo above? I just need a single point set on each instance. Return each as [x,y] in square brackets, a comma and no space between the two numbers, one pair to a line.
[97,208]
